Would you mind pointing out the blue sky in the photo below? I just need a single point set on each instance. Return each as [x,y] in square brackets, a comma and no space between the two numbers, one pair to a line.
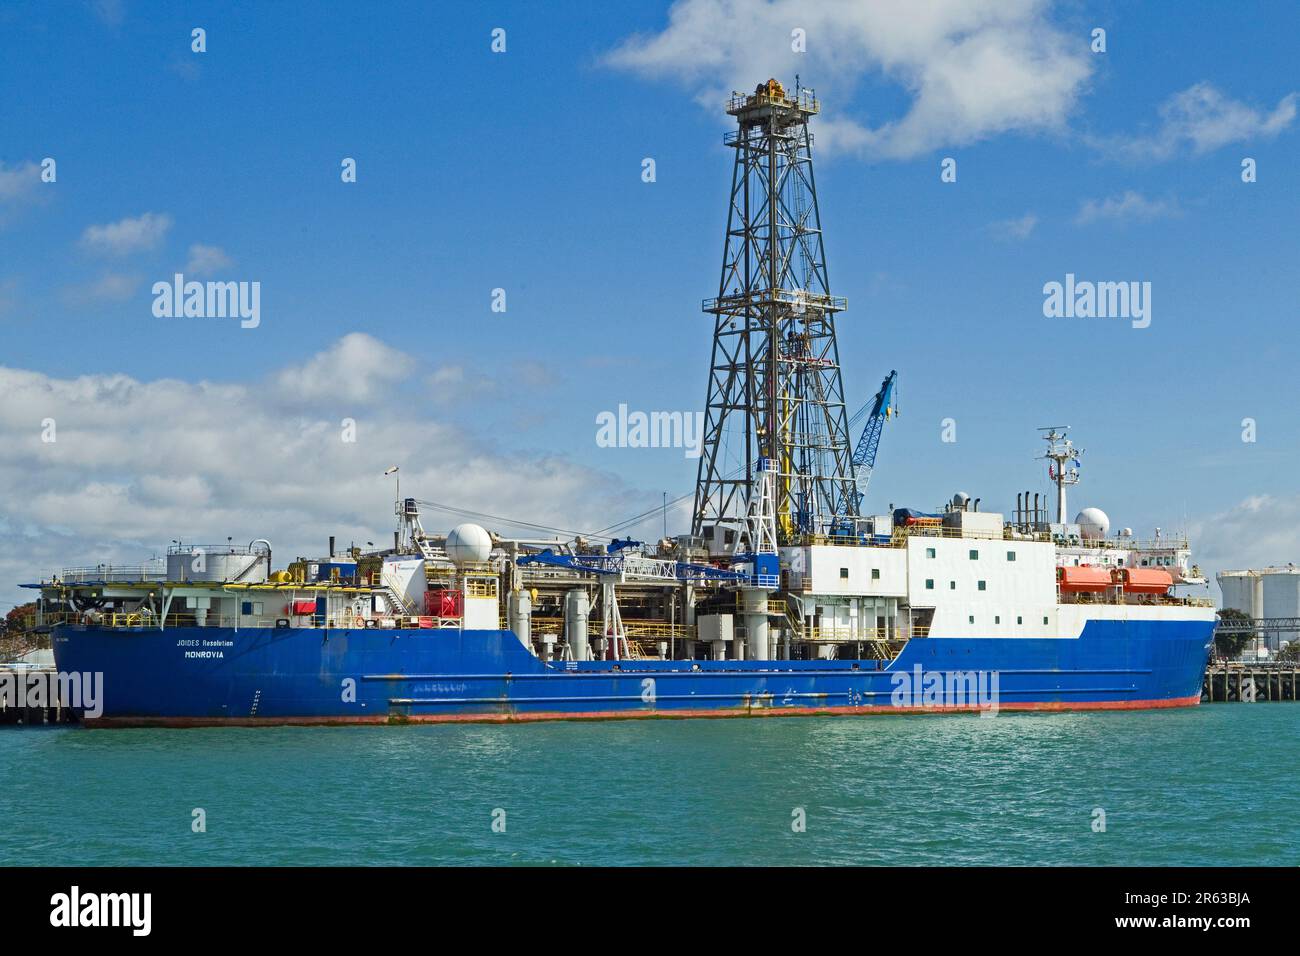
[522,170]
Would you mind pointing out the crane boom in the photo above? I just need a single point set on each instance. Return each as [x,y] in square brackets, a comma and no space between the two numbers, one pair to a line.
[883,407]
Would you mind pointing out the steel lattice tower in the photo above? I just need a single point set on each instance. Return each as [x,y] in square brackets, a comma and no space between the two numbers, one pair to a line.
[774,381]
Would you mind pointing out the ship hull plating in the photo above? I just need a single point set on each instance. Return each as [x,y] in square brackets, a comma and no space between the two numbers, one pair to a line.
[213,676]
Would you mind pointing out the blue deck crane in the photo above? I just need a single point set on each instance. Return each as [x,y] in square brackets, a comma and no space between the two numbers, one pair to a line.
[883,407]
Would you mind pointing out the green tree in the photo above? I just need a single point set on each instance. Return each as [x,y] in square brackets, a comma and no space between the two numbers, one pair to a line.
[15,640]
[1229,646]
[16,619]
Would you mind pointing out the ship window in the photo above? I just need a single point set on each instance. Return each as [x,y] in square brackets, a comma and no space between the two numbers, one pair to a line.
[875,574]
[1044,618]
[974,555]
[929,584]
[1019,619]
[981,585]
[1120,562]
[1011,556]
[997,618]
[952,585]
[844,574]
[971,618]
[929,552]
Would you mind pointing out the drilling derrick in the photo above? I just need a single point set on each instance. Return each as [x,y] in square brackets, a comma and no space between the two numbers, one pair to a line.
[774,382]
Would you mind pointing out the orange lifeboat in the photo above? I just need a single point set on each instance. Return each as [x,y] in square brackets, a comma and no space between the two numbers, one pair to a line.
[1144,580]
[1083,580]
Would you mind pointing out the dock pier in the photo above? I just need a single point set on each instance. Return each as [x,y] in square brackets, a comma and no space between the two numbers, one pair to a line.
[1236,681]
[13,714]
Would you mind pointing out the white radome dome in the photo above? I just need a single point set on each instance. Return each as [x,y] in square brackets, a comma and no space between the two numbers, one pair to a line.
[469,544]
[1092,522]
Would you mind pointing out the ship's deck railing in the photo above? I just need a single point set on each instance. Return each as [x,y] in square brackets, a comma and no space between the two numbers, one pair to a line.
[133,619]
[741,304]
[802,99]
[1115,595]
[121,578]
[141,620]
[239,550]
[774,608]
[901,533]
[481,588]
[864,634]
[1134,544]
[596,628]
[112,572]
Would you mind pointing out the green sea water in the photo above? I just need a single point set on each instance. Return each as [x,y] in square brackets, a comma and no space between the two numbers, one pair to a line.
[1215,784]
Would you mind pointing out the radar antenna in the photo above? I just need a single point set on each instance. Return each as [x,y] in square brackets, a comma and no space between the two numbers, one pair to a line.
[1064,467]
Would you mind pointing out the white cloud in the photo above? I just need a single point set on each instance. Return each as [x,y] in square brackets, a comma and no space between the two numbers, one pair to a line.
[19,182]
[533,374]
[20,185]
[1259,531]
[8,294]
[1019,228]
[206,260]
[110,12]
[1129,207]
[972,68]
[127,235]
[109,287]
[1200,119]
[454,383]
[448,383]
[138,463]
[357,368]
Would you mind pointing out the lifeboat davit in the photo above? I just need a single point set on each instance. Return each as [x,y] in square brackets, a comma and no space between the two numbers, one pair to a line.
[1083,580]
[1144,580]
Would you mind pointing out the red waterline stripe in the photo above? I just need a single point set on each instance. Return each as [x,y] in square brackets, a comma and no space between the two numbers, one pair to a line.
[688,714]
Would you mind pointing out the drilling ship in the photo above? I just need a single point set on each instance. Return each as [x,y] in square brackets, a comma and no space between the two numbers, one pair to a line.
[785,597]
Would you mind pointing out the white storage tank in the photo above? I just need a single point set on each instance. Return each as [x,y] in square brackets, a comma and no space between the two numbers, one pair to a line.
[1262,592]
[224,562]
[1237,588]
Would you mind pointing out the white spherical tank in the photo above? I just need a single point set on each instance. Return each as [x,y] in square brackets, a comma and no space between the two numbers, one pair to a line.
[469,544]
[1092,522]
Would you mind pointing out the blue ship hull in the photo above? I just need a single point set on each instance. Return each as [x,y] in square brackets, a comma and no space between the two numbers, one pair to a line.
[196,676]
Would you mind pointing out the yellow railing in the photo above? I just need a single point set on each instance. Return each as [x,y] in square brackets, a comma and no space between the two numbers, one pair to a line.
[849,541]
[774,608]
[849,634]
[656,629]
[652,630]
